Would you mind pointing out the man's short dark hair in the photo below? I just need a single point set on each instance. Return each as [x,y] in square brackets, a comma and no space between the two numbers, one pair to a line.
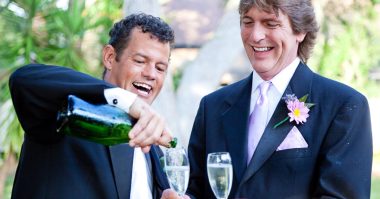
[120,33]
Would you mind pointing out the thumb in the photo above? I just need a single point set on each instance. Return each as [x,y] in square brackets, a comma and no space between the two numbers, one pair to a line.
[137,108]
[165,138]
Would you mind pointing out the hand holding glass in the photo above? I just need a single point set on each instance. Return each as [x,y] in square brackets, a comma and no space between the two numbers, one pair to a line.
[219,170]
[177,169]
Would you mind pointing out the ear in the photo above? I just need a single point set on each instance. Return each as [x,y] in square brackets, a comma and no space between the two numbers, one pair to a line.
[300,37]
[109,56]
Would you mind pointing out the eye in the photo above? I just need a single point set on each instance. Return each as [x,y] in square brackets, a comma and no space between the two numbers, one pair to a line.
[247,21]
[139,61]
[161,67]
[272,24]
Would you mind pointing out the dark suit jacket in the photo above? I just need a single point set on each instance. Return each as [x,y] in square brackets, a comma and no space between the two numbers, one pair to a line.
[336,164]
[58,166]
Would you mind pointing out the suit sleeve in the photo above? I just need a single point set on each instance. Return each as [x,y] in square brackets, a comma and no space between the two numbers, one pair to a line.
[197,156]
[38,92]
[345,159]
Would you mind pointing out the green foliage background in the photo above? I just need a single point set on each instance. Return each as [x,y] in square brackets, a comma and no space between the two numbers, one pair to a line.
[348,46]
[40,31]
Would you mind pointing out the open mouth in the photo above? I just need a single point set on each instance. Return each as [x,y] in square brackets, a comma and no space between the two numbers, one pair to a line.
[262,49]
[142,88]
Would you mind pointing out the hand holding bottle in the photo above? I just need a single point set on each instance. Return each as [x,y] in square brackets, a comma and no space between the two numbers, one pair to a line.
[150,127]
[110,125]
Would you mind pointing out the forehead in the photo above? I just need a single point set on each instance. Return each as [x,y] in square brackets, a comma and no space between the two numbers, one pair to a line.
[146,44]
[141,39]
[270,6]
[138,35]
[257,12]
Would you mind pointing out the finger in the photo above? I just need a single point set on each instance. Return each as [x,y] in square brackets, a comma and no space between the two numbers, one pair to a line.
[165,139]
[151,133]
[156,132]
[139,110]
[169,194]
[137,107]
[139,128]
[145,149]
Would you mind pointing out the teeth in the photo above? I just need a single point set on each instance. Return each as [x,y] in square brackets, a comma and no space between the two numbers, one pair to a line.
[263,49]
[142,85]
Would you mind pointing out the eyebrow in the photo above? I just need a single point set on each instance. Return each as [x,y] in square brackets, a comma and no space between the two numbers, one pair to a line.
[266,18]
[272,19]
[146,57]
[141,55]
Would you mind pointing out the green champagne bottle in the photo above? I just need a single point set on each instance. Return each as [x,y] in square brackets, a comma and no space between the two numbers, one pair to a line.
[104,124]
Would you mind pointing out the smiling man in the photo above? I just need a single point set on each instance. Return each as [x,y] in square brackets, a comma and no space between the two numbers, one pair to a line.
[291,133]
[142,66]
[269,41]
[56,166]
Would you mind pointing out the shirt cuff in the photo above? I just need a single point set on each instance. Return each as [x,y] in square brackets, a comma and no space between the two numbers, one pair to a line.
[120,98]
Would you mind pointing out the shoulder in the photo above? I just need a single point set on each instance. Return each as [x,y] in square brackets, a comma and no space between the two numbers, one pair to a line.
[29,70]
[36,66]
[336,91]
[24,69]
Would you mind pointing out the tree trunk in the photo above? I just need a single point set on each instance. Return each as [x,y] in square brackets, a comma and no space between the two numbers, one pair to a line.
[203,75]
[6,170]
[165,103]
[151,7]
[199,78]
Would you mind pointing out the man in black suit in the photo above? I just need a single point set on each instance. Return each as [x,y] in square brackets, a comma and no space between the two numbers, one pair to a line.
[57,166]
[318,148]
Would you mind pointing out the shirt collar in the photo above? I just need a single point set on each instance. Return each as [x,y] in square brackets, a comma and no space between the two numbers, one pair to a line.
[281,80]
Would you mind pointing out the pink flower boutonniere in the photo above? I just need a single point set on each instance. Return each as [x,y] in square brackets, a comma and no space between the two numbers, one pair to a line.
[299,110]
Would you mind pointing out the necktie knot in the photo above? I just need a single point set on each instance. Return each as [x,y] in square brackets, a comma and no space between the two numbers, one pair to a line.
[264,87]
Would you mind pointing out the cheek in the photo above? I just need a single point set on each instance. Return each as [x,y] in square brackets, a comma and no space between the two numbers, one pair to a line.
[131,71]
[161,80]
[125,77]
[244,33]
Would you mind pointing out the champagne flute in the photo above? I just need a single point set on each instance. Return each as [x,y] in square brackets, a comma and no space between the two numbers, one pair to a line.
[219,171]
[177,169]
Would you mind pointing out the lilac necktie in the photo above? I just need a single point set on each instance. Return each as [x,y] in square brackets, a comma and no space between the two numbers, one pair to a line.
[258,119]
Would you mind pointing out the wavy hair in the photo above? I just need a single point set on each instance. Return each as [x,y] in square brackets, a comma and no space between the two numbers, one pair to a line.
[301,15]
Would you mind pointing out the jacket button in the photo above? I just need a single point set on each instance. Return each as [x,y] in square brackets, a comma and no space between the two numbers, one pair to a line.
[114,101]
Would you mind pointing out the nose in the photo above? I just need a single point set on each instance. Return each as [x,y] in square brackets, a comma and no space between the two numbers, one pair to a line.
[149,72]
[257,34]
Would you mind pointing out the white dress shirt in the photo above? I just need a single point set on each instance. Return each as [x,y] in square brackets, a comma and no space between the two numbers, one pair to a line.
[141,183]
[275,92]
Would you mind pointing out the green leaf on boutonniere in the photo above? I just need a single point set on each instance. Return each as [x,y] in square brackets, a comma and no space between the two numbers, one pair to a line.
[309,105]
[304,98]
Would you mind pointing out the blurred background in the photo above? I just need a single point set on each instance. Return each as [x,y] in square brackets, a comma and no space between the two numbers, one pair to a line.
[208,54]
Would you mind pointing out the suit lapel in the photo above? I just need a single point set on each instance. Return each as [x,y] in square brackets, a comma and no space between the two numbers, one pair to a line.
[299,85]
[271,139]
[235,124]
[159,177]
[122,163]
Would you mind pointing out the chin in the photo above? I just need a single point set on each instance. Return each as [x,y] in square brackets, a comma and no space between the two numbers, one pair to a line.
[147,100]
